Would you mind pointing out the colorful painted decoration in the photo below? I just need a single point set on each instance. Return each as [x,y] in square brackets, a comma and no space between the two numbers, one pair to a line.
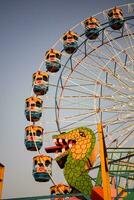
[77,149]
[33,109]
[53,60]
[42,168]
[40,82]
[33,137]
[115,17]
[92,27]
[94,62]
[59,189]
[70,42]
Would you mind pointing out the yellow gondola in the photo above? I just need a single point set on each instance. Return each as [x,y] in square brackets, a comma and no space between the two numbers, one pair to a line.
[53,60]
[40,82]
[42,168]
[115,17]
[92,27]
[70,42]
[33,109]
[59,189]
[33,137]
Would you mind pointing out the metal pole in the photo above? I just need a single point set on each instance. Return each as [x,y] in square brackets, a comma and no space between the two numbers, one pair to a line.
[104,164]
[2,169]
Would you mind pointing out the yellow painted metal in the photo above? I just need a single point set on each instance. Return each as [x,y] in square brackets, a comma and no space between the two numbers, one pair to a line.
[34,129]
[104,165]
[42,158]
[33,99]
[2,169]
[40,74]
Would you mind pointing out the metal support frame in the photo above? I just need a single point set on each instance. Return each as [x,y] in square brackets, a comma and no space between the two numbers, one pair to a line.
[2,169]
[104,164]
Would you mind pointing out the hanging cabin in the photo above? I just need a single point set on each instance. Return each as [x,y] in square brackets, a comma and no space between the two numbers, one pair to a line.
[53,60]
[42,168]
[33,109]
[33,137]
[92,27]
[70,42]
[115,17]
[59,189]
[40,82]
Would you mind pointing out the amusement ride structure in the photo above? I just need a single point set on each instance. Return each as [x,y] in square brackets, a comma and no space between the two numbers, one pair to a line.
[83,97]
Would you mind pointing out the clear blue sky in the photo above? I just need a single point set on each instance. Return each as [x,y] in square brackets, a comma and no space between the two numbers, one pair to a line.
[28,28]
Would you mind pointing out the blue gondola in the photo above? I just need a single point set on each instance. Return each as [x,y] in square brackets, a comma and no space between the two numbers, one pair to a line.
[53,60]
[92,27]
[42,168]
[33,109]
[70,42]
[115,17]
[40,82]
[33,137]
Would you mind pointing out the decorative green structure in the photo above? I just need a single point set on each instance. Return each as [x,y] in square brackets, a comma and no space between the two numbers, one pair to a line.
[81,144]
[121,170]
[121,166]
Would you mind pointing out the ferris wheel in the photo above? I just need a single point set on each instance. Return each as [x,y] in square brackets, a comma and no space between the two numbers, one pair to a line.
[86,78]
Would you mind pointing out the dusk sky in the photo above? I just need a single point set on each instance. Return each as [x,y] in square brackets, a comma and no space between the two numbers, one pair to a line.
[28,28]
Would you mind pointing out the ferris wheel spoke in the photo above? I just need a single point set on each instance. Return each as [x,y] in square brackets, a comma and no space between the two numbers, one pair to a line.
[122,65]
[95,82]
[129,32]
[80,74]
[117,122]
[116,61]
[117,131]
[113,110]
[112,88]
[90,92]
[125,140]
[73,102]
[78,115]
[115,47]
[107,70]
[108,126]
[77,91]
[113,138]
[76,122]
[102,69]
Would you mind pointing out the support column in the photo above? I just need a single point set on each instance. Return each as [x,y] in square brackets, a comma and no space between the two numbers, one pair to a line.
[2,169]
[104,164]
